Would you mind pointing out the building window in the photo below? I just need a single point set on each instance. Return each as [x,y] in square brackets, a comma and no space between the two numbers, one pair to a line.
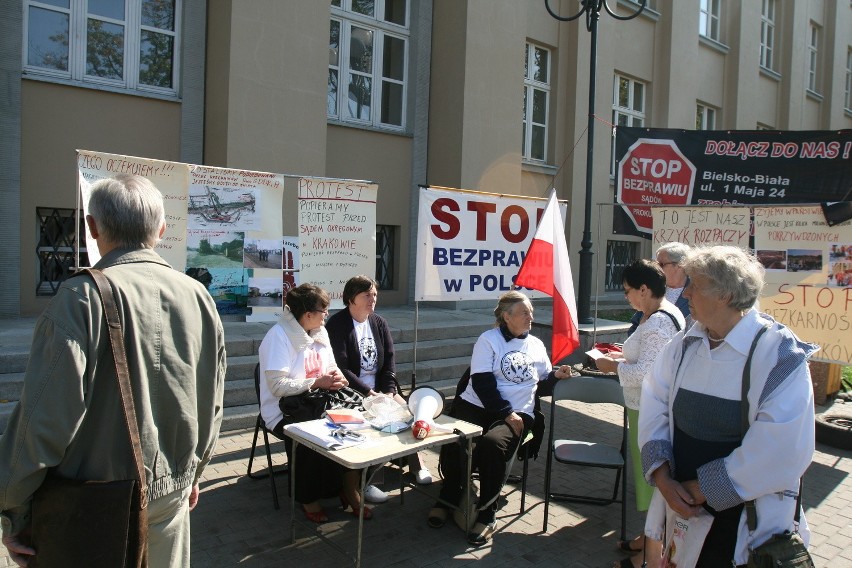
[536,102]
[767,34]
[848,98]
[628,107]
[708,19]
[57,241]
[813,58]
[367,68]
[385,247]
[132,45]
[761,126]
[705,117]
[619,255]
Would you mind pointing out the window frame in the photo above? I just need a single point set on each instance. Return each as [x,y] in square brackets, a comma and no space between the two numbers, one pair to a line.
[530,87]
[812,60]
[768,9]
[77,73]
[705,117]
[709,21]
[631,113]
[848,92]
[342,13]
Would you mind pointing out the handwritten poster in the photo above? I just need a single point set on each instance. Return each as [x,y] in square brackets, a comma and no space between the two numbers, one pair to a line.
[171,178]
[337,232]
[808,276]
[696,226]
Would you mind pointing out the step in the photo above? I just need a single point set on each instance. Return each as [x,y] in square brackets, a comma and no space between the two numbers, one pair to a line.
[434,349]
[6,410]
[14,359]
[11,385]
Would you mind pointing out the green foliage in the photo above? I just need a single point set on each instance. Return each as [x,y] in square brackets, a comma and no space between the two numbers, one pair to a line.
[846,379]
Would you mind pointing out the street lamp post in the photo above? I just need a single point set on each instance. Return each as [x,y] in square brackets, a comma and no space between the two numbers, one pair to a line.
[592,10]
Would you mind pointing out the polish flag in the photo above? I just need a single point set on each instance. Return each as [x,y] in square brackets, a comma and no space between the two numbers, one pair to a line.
[546,269]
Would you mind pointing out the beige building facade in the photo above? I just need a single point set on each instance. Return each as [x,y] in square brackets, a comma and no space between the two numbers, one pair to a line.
[488,95]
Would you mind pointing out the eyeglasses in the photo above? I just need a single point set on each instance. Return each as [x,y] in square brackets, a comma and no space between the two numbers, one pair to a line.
[324,312]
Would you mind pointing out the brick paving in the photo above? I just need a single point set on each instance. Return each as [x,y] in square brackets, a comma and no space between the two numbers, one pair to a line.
[235,523]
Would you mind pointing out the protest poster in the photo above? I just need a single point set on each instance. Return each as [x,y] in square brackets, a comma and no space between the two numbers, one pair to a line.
[470,244]
[808,276]
[171,179]
[697,226]
[337,232]
[665,167]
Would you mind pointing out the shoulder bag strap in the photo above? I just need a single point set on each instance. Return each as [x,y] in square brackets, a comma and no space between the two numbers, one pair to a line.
[116,339]
[751,511]
[671,317]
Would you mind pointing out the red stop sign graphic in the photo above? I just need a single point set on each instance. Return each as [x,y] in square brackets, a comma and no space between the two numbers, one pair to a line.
[653,172]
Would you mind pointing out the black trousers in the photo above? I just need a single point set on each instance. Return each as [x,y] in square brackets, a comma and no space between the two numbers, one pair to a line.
[492,455]
[317,477]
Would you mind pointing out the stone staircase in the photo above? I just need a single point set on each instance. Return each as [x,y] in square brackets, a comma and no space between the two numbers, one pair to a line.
[444,341]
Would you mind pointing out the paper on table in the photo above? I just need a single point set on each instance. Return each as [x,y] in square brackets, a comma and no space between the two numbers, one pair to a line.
[320,432]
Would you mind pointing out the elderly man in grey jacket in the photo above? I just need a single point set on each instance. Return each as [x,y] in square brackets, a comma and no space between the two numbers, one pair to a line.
[69,419]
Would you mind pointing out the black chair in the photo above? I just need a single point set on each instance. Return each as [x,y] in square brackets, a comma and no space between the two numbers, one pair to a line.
[261,425]
[592,390]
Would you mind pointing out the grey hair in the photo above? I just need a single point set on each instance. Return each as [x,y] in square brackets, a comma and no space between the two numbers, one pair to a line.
[733,274]
[506,302]
[675,251]
[128,210]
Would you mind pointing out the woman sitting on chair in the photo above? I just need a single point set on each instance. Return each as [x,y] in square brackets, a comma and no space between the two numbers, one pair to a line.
[363,349]
[506,369]
[295,357]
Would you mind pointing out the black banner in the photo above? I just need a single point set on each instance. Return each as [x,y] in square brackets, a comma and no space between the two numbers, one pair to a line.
[657,166]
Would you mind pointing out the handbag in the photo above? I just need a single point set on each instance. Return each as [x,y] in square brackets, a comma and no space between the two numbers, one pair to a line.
[96,523]
[313,403]
[787,549]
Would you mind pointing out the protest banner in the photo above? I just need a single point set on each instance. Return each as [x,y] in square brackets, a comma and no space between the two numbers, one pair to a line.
[470,244]
[808,276]
[659,167]
[696,226]
[337,232]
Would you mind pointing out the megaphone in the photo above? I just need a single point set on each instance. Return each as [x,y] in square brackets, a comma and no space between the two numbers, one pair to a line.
[426,404]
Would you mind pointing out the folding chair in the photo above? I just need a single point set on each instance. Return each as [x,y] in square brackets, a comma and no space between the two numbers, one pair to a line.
[258,426]
[592,390]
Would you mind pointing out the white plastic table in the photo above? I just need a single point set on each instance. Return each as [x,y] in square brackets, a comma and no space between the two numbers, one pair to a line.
[380,448]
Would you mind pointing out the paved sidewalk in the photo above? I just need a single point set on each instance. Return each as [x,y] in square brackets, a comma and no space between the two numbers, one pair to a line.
[235,523]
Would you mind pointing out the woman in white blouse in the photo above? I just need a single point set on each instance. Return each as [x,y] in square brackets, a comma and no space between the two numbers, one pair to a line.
[645,288]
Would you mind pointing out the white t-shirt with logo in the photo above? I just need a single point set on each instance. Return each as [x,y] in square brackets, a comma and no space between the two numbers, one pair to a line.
[369,353]
[517,364]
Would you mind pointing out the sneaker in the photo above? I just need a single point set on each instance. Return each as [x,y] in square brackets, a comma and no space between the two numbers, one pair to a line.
[373,494]
[424,477]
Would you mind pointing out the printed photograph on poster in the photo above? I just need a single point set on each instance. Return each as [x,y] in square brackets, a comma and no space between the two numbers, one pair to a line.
[223,208]
[263,253]
[804,260]
[291,253]
[227,286]
[840,265]
[214,249]
[839,251]
[265,292]
[290,281]
[773,259]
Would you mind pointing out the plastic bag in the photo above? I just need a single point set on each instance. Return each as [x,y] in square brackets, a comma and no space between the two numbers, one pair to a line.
[386,414]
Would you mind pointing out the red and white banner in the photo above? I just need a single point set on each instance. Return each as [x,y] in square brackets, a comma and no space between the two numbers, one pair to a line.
[546,268]
[470,244]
